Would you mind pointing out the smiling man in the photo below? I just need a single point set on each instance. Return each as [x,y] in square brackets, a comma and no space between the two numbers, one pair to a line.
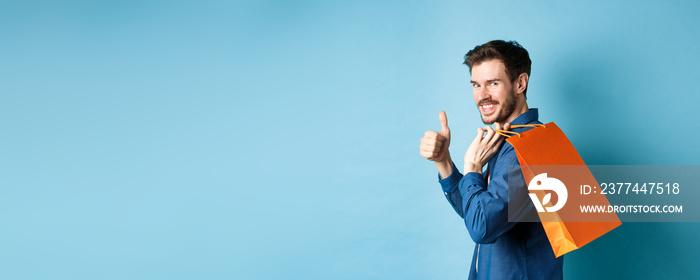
[500,73]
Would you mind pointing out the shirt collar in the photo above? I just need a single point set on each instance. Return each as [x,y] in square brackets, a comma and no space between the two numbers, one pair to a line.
[525,118]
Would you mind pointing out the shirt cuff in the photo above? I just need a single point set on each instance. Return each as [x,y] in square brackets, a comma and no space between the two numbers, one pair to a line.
[450,183]
[471,180]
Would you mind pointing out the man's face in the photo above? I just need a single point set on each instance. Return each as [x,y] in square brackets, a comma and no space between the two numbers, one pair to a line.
[493,91]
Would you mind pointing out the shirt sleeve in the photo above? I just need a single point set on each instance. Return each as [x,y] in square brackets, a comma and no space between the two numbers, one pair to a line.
[450,188]
[485,208]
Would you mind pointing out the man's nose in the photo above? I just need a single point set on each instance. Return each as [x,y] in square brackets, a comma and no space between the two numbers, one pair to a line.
[482,94]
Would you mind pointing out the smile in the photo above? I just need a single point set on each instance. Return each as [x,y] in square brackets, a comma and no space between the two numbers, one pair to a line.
[488,108]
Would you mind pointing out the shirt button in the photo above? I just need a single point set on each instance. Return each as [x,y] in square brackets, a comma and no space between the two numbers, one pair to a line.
[445,193]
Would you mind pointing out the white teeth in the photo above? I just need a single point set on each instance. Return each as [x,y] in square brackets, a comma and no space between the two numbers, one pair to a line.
[487,106]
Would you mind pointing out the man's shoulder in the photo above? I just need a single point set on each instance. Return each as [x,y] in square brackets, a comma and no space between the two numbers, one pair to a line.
[507,154]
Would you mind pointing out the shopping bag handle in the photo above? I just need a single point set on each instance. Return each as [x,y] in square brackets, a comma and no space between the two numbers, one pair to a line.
[512,133]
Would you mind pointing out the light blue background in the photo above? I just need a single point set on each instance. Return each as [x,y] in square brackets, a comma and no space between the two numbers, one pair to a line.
[279,139]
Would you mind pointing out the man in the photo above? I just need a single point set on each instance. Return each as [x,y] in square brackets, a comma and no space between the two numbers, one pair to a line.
[500,73]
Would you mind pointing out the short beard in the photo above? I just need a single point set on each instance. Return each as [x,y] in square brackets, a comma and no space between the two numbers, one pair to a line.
[508,108]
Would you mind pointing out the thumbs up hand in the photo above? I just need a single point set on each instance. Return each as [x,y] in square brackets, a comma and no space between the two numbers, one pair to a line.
[434,145]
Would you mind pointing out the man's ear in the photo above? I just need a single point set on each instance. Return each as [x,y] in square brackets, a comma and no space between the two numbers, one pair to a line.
[521,82]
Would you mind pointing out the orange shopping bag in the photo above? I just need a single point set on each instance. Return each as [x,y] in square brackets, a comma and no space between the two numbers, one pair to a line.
[545,149]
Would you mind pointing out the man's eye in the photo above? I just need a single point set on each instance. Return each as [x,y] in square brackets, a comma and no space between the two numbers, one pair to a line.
[494,84]
[475,85]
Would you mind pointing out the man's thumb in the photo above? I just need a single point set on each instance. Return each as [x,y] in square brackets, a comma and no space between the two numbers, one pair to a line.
[443,121]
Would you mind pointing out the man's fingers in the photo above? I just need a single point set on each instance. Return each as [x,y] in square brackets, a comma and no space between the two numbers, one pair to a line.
[425,148]
[432,139]
[479,133]
[431,142]
[506,127]
[443,121]
[434,135]
[428,155]
[496,139]
[431,134]
[489,133]
[429,149]
[497,125]
[497,135]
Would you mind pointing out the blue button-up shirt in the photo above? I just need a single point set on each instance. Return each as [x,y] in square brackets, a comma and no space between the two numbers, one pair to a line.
[504,250]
